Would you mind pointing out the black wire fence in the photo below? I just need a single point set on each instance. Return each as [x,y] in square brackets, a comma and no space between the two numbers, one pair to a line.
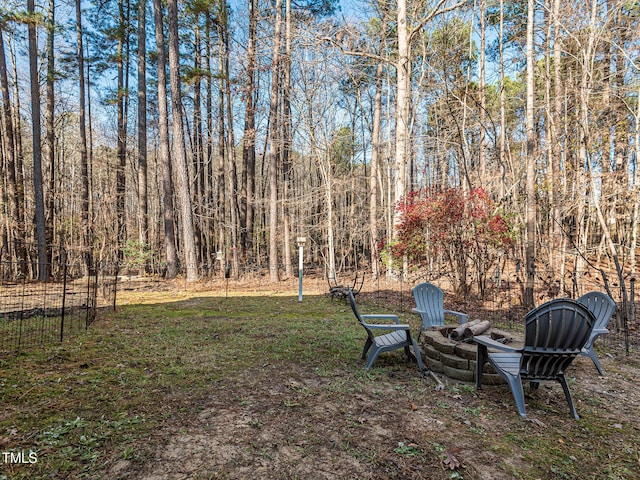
[34,313]
[40,312]
[501,302]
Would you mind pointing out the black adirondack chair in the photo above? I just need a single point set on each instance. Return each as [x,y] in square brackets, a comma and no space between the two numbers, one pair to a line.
[555,334]
[602,307]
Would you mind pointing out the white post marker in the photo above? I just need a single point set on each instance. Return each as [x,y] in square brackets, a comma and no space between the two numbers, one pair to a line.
[300,241]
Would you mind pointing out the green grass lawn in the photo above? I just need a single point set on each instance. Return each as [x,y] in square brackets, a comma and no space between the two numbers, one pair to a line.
[272,387]
[77,403]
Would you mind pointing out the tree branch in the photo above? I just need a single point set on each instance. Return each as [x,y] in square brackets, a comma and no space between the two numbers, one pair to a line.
[434,13]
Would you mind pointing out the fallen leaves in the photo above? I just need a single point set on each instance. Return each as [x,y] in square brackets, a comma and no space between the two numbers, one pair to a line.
[450,461]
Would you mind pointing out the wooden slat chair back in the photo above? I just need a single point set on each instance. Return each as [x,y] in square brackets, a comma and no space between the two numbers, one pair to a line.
[555,334]
[385,337]
[602,307]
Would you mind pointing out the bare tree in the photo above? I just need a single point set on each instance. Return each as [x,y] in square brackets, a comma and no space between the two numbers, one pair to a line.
[287,140]
[403,80]
[121,105]
[16,222]
[199,175]
[180,163]
[530,191]
[50,136]
[84,156]
[143,228]
[247,183]
[232,175]
[503,111]
[165,161]
[376,148]
[274,144]
[43,267]
[635,219]
[482,147]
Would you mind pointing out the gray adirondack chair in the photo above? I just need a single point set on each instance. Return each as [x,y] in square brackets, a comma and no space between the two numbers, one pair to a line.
[385,337]
[430,306]
[555,333]
[602,307]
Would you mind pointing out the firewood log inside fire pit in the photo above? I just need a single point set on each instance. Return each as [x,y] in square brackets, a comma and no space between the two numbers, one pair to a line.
[476,329]
[468,330]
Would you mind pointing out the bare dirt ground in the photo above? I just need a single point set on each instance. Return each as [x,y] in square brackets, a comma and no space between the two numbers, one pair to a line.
[288,425]
[294,421]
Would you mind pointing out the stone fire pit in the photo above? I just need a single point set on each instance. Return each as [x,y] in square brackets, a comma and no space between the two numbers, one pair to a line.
[457,359]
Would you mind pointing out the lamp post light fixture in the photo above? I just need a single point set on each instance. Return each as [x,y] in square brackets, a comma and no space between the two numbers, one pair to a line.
[300,241]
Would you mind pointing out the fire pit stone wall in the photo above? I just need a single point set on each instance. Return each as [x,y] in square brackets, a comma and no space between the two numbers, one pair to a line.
[457,359]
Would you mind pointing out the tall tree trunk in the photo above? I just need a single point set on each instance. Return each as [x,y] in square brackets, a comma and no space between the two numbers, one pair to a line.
[274,144]
[622,130]
[16,222]
[87,227]
[171,256]
[43,267]
[330,234]
[180,164]
[222,152]
[503,110]
[232,175]
[287,133]
[402,112]
[142,127]
[197,153]
[584,140]
[19,159]
[376,148]
[557,140]
[121,149]
[89,143]
[208,170]
[548,148]
[608,117]
[635,219]
[249,140]
[482,142]
[530,206]
[50,129]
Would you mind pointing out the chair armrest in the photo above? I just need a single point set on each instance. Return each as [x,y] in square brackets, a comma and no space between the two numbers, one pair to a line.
[483,343]
[595,333]
[422,313]
[462,316]
[382,316]
[491,343]
[388,326]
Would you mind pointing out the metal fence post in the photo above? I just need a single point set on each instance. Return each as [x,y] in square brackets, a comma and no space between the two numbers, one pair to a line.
[64,295]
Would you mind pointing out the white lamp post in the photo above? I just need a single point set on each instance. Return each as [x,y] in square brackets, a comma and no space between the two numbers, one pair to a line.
[300,241]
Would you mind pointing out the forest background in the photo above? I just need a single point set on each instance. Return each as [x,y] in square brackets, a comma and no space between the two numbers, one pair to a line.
[433,139]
